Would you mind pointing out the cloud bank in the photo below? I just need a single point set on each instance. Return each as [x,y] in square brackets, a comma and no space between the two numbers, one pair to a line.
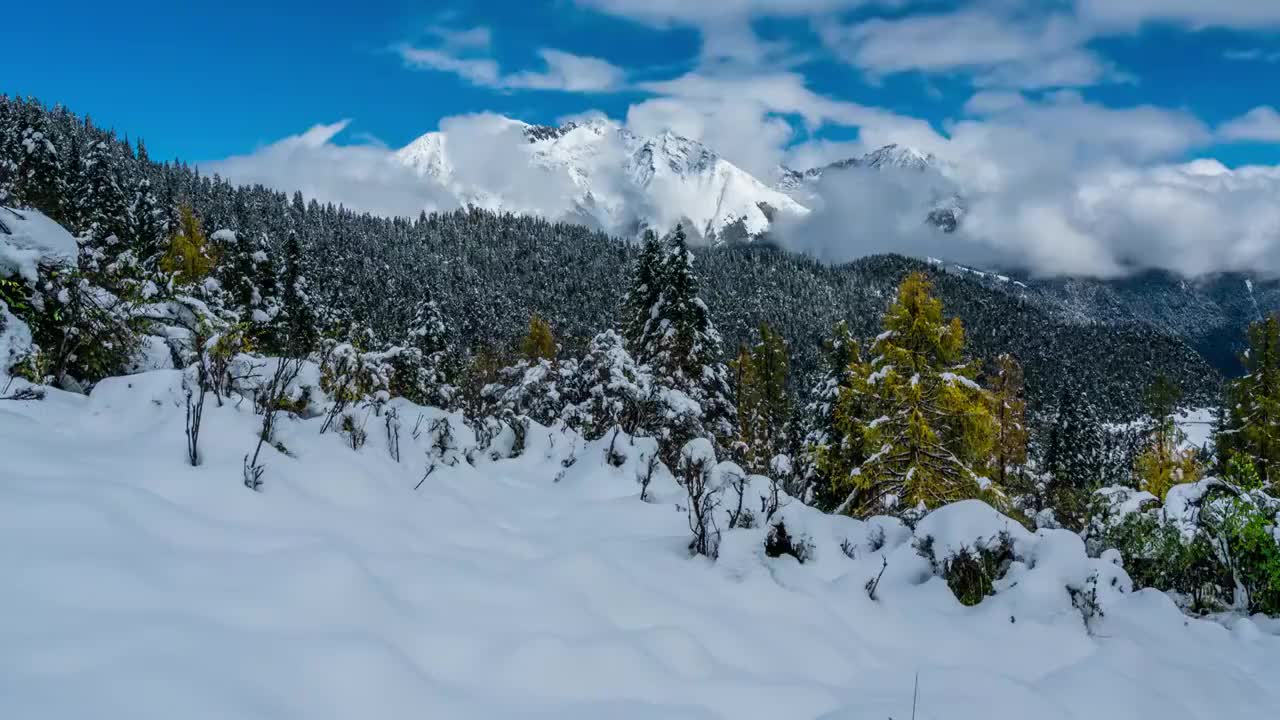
[1054,186]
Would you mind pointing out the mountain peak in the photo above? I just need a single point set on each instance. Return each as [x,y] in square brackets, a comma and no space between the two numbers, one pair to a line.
[598,170]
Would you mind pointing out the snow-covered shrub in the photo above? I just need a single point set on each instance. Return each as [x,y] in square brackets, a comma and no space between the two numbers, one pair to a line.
[81,332]
[1212,546]
[696,473]
[419,377]
[780,542]
[534,389]
[351,377]
[971,572]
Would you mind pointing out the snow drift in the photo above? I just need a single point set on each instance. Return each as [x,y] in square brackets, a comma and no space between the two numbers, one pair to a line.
[537,586]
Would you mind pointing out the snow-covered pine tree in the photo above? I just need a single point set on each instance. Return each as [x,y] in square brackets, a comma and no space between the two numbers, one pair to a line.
[931,437]
[828,452]
[642,296]
[40,182]
[148,228]
[107,208]
[683,348]
[538,386]
[294,333]
[421,362]
[610,390]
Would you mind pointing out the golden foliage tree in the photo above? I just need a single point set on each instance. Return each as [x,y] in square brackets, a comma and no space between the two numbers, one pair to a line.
[1164,463]
[190,258]
[539,343]
[926,425]
[1009,411]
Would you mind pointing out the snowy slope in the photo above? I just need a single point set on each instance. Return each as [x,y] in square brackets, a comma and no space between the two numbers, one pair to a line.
[137,587]
[610,177]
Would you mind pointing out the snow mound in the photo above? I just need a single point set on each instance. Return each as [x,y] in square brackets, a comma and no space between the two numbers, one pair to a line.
[28,238]
[535,586]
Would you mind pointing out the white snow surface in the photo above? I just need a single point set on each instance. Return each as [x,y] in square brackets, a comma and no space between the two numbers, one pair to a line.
[135,586]
[600,172]
[27,237]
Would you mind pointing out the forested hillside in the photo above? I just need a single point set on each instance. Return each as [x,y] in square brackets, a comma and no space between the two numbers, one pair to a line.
[490,272]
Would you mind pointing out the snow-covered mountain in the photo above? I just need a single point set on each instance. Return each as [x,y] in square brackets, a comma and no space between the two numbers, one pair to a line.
[601,173]
[944,199]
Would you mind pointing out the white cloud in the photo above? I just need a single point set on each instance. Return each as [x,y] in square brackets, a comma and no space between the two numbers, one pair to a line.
[1197,14]
[993,101]
[365,177]
[1061,187]
[465,53]
[1020,51]
[743,116]
[1261,124]
[689,12]
[1253,55]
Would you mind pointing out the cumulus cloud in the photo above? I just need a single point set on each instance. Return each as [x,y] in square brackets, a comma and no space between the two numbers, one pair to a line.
[741,115]
[1238,14]
[364,177]
[1261,124]
[1061,187]
[465,53]
[1002,45]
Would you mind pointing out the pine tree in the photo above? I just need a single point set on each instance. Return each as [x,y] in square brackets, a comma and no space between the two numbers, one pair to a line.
[932,436]
[1009,411]
[40,182]
[644,291]
[421,362]
[764,407]
[295,333]
[236,273]
[829,452]
[107,207]
[1250,427]
[610,390]
[148,229]
[682,347]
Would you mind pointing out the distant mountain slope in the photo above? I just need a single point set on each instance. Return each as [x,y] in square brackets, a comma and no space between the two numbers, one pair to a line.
[1211,313]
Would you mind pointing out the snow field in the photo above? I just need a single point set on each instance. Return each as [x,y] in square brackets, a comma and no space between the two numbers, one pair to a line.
[135,586]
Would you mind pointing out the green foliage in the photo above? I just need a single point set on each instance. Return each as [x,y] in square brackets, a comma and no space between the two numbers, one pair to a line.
[16,295]
[1157,555]
[1251,423]
[1242,473]
[82,332]
[1253,550]
[971,573]
[190,258]
[764,405]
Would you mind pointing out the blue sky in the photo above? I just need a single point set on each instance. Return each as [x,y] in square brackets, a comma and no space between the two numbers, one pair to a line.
[204,81]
